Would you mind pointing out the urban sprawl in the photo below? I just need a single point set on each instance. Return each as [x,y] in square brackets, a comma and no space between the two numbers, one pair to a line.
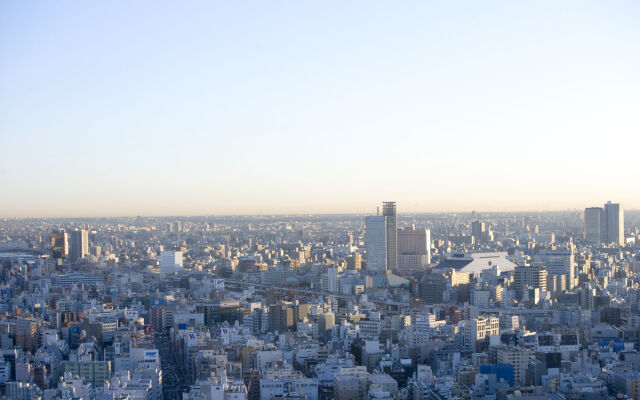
[380,306]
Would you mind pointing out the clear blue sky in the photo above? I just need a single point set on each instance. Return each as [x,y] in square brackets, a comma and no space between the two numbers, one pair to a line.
[188,107]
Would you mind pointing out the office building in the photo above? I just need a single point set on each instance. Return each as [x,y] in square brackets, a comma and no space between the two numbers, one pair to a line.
[604,225]
[529,277]
[432,288]
[219,311]
[354,261]
[326,321]
[479,329]
[594,223]
[59,244]
[480,297]
[26,333]
[389,212]
[350,384]
[332,280]
[477,231]
[558,262]
[329,280]
[376,242]
[614,222]
[95,372]
[22,391]
[282,383]
[79,244]
[281,318]
[170,262]
[414,248]
[519,358]
[556,284]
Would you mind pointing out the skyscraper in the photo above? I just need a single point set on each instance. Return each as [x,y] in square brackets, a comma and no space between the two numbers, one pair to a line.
[59,244]
[79,244]
[593,225]
[414,248]
[389,212]
[375,240]
[614,219]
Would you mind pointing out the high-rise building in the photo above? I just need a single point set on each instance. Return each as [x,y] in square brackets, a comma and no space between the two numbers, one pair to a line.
[594,223]
[480,297]
[432,287]
[170,262]
[79,244]
[330,280]
[529,277]
[556,284]
[614,219]
[414,248]
[273,296]
[281,317]
[558,262]
[477,231]
[478,329]
[389,212]
[25,334]
[604,225]
[40,377]
[326,321]
[375,240]
[59,244]
[519,358]
[354,261]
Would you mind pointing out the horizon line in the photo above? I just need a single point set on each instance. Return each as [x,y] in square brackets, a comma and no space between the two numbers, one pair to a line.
[300,214]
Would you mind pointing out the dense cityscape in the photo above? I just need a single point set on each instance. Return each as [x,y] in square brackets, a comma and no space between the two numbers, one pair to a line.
[319,200]
[377,306]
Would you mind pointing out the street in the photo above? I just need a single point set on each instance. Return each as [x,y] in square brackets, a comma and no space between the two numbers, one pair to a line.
[173,380]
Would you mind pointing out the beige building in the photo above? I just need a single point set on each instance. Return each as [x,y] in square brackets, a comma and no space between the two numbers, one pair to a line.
[479,329]
[519,358]
[414,248]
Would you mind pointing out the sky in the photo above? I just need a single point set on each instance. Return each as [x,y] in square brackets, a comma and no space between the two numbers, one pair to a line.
[114,108]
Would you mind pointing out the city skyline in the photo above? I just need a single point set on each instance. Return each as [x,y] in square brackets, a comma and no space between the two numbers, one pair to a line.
[223,108]
[309,307]
[337,200]
[364,212]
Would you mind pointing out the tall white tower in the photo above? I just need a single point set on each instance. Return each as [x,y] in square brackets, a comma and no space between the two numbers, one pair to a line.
[375,241]
[79,243]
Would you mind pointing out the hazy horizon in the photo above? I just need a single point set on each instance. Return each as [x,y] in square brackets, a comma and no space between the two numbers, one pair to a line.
[225,108]
[367,212]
